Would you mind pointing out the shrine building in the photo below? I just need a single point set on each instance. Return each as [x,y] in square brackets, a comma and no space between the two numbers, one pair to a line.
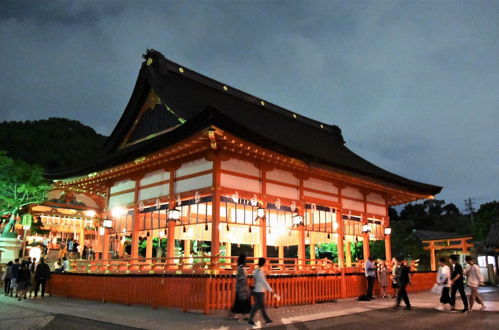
[193,159]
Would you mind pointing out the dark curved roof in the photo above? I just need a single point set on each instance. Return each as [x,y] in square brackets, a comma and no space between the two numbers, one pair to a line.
[203,102]
[429,235]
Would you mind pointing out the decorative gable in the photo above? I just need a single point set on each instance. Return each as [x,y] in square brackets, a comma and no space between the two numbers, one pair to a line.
[154,118]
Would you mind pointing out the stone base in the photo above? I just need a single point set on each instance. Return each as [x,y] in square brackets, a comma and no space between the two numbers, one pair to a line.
[10,248]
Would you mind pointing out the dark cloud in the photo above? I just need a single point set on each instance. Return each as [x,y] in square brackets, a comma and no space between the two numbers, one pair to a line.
[412,84]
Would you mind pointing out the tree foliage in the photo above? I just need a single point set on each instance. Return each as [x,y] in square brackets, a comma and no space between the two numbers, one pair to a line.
[21,184]
[486,215]
[54,143]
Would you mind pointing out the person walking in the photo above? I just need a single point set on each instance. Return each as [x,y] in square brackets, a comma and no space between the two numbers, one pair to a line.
[403,279]
[382,275]
[14,274]
[23,280]
[260,287]
[443,280]
[394,277]
[370,271]
[457,284]
[42,274]
[474,280]
[32,269]
[7,275]
[242,303]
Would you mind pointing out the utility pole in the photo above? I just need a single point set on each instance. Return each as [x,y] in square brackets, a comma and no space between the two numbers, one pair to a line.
[469,207]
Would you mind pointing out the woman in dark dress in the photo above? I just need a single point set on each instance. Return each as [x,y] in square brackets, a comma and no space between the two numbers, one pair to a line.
[23,280]
[242,303]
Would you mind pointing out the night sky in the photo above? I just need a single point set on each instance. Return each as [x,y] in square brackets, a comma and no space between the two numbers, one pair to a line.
[414,85]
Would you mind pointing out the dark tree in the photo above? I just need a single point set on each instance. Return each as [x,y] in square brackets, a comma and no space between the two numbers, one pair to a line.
[54,143]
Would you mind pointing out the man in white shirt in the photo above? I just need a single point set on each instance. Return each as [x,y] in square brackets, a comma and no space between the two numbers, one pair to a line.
[370,271]
[260,287]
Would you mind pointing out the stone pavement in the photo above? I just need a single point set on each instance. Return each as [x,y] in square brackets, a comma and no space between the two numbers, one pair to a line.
[58,312]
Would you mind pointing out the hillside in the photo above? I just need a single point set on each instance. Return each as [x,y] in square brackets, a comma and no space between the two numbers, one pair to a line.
[54,143]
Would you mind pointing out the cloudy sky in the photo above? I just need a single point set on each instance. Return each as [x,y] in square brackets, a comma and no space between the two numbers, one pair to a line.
[414,85]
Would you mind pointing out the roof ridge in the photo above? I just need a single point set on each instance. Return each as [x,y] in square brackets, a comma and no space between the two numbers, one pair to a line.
[152,55]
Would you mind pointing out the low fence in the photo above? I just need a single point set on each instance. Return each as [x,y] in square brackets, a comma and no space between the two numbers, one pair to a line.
[205,293]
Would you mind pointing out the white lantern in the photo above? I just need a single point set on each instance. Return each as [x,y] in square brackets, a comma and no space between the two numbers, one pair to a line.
[260,212]
[173,214]
[388,231]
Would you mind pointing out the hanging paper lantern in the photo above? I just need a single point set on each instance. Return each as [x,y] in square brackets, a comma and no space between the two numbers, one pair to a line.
[197,197]
[293,206]
[314,207]
[158,204]
[278,203]
[141,206]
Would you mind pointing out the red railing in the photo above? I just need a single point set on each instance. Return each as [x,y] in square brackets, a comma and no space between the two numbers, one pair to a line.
[212,292]
[203,265]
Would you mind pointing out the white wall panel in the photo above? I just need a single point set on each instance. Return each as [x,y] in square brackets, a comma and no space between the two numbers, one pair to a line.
[352,205]
[240,166]
[195,166]
[321,196]
[375,209]
[322,185]
[282,191]
[352,192]
[375,198]
[196,182]
[282,176]
[121,200]
[122,185]
[232,181]
[153,192]
[154,177]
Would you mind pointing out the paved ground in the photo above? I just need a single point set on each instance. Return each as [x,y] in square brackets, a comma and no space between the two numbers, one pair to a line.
[62,313]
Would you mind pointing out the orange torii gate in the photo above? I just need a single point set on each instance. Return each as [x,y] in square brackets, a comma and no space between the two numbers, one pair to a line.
[462,243]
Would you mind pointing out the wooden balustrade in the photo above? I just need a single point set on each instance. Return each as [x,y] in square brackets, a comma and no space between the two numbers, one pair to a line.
[204,293]
[201,265]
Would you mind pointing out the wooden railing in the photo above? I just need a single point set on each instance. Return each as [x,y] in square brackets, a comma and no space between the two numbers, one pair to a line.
[205,293]
[204,265]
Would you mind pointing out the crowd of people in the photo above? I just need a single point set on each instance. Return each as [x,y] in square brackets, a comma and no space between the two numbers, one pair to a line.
[24,278]
[449,281]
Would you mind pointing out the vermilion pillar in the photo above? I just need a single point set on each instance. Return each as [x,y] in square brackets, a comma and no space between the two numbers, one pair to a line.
[170,244]
[301,244]
[105,245]
[341,237]
[263,237]
[432,257]
[135,224]
[215,213]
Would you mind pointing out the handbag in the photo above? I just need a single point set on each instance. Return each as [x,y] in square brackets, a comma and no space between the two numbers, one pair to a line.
[437,288]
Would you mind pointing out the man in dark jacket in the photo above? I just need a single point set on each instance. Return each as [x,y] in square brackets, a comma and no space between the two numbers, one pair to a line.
[457,284]
[14,274]
[42,274]
[403,279]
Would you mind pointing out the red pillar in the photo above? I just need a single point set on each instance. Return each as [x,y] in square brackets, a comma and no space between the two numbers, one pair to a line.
[215,211]
[135,224]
